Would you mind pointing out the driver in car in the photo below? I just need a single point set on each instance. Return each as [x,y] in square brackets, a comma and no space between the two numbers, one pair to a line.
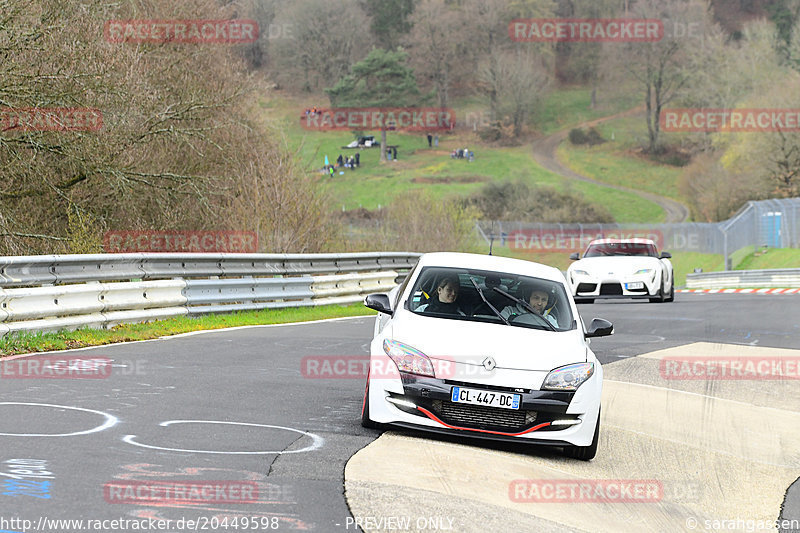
[537,297]
[444,299]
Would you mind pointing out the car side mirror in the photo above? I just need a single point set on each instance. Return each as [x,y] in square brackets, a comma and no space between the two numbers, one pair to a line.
[600,328]
[666,255]
[575,256]
[379,302]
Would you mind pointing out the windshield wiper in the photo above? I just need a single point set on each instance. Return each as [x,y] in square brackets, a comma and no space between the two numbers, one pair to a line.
[526,305]
[483,297]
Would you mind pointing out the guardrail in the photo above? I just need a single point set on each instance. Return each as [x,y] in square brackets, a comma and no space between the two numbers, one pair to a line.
[745,279]
[47,293]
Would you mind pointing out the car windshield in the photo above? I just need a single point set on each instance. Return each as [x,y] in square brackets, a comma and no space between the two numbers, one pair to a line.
[621,248]
[489,296]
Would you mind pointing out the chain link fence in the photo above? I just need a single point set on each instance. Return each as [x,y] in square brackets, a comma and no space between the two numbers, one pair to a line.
[771,223]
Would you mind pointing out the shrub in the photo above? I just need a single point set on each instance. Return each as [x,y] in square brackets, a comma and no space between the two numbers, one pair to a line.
[591,137]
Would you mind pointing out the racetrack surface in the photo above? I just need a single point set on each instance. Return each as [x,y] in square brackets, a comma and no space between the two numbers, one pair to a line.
[720,449]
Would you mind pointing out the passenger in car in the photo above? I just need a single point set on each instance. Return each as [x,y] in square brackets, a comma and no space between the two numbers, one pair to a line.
[537,297]
[444,299]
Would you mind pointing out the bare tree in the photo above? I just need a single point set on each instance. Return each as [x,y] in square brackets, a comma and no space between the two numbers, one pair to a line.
[172,116]
[326,38]
[519,78]
[487,26]
[659,66]
[435,44]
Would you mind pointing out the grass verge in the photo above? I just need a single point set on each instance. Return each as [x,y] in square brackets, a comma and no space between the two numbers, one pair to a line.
[376,184]
[571,106]
[64,340]
[772,258]
[605,163]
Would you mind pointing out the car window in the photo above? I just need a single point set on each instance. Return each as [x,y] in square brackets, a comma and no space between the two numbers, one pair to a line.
[478,291]
[621,248]
[402,288]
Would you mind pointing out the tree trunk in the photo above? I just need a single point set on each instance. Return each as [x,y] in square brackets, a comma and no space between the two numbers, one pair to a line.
[649,106]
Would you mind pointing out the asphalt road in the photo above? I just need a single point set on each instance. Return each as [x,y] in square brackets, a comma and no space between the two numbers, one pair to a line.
[240,408]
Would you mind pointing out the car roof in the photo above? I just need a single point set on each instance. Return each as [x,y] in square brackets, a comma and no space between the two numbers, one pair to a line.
[620,241]
[492,263]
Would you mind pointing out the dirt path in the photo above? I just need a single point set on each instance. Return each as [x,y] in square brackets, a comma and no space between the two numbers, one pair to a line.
[544,152]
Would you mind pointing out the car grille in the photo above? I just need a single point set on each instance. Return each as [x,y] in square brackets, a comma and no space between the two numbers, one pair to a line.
[610,289]
[482,417]
[587,287]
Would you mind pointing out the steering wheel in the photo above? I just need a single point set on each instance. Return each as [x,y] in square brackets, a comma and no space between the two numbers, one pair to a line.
[526,318]
[483,309]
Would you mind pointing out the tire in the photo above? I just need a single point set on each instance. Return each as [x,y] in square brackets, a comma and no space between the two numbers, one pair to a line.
[585,453]
[671,297]
[660,298]
[365,419]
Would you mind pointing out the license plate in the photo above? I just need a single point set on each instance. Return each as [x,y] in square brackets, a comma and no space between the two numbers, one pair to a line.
[487,398]
[634,285]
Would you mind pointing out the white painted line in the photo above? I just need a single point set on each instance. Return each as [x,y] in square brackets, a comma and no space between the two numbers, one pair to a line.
[110,421]
[317,441]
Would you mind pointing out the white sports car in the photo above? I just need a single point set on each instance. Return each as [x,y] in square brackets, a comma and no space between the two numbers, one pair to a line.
[622,268]
[488,347]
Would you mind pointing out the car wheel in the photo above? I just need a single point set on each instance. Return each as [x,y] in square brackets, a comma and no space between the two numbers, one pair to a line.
[365,420]
[671,297]
[660,297]
[585,453]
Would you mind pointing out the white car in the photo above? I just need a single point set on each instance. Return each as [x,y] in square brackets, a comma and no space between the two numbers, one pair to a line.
[621,268]
[488,364]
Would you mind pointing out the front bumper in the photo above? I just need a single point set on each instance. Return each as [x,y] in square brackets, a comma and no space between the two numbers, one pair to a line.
[584,287]
[424,403]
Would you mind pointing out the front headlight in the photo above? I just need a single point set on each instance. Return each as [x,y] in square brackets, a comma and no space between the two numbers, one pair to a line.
[408,359]
[643,271]
[568,378]
[581,272]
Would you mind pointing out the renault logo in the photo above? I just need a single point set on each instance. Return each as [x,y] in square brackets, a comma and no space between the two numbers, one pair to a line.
[489,364]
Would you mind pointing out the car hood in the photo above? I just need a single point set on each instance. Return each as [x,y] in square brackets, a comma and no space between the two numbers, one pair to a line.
[620,265]
[512,347]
